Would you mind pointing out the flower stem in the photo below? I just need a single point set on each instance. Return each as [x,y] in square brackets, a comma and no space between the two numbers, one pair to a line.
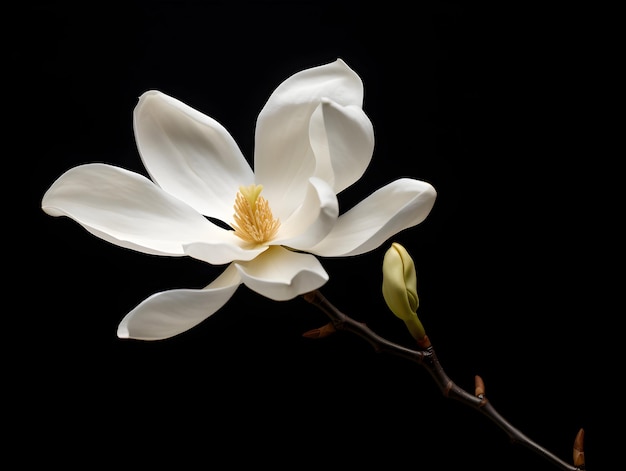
[428,359]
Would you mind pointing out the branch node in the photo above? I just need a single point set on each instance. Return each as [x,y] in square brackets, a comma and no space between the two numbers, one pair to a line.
[424,342]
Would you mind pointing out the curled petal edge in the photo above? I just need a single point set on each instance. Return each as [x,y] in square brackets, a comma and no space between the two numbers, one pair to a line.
[168,313]
[312,220]
[281,274]
[401,204]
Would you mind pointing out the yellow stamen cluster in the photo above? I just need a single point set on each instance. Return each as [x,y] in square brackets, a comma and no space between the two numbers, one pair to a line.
[254,221]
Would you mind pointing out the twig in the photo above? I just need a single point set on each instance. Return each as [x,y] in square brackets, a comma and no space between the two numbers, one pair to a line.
[428,359]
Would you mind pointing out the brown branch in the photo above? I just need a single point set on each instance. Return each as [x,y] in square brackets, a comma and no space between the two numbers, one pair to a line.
[428,359]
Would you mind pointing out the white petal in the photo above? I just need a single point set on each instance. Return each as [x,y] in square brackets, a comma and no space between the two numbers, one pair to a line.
[401,204]
[190,155]
[342,138]
[170,313]
[283,160]
[127,209]
[217,253]
[311,221]
[281,274]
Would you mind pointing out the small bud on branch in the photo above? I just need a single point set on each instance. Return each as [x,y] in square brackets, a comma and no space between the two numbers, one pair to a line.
[479,387]
[400,288]
[320,332]
[579,454]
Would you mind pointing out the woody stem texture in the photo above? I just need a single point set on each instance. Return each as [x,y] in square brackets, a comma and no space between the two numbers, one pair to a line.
[426,357]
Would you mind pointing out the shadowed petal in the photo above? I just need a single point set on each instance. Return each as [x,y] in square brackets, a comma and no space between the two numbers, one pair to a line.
[190,155]
[311,221]
[170,313]
[401,204]
[218,253]
[281,274]
[342,138]
[128,210]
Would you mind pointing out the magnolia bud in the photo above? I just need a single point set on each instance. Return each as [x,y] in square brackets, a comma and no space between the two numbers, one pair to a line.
[400,288]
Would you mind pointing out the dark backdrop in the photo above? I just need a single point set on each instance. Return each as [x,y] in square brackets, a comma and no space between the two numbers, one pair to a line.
[494,106]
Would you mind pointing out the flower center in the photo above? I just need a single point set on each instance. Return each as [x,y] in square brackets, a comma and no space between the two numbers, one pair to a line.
[254,221]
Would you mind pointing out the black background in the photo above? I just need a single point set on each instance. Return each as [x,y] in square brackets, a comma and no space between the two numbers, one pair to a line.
[502,109]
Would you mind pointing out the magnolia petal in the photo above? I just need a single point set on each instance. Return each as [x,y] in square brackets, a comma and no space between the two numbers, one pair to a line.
[342,138]
[313,220]
[190,155]
[169,313]
[218,253]
[282,129]
[397,206]
[127,209]
[281,274]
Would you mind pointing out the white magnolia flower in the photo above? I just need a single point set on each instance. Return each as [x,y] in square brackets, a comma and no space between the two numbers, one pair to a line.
[312,141]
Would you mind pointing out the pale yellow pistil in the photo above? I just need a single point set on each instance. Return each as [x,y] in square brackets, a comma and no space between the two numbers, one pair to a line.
[254,221]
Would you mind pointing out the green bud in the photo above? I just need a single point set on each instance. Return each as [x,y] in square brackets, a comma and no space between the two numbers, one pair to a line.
[400,288]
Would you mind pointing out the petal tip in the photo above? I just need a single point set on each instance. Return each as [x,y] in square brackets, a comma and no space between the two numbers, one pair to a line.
[122,331]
